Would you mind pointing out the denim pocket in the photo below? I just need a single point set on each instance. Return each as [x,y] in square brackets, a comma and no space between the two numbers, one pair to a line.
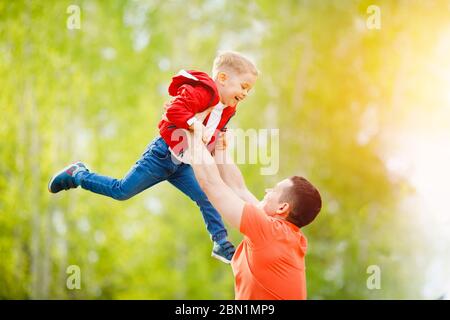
[159,149]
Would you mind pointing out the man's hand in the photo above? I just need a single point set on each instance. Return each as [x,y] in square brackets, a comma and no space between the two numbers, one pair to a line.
[198,127]
[221,141]
[200,131]
[201,116]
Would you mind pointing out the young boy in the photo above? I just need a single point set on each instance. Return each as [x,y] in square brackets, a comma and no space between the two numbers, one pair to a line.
[195,94]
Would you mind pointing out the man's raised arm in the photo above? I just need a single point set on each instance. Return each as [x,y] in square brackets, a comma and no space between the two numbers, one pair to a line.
[229,172]
[222,197]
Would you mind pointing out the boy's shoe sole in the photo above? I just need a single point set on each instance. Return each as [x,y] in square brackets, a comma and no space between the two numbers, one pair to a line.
[224,260]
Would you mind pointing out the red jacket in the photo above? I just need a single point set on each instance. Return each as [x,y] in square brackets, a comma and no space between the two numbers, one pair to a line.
[193,92]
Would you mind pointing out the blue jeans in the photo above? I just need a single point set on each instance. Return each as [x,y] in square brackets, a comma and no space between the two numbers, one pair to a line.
[154,166]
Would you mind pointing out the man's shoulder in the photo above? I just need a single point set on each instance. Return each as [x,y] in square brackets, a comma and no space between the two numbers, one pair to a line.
[252,209]
[253,216]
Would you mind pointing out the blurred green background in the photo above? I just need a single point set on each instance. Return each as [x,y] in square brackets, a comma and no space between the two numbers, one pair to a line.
[363,113]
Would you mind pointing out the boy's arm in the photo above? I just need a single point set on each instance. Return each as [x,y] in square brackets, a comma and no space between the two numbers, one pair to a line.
[183,107]
[230,173]
[229,205]
[196,124]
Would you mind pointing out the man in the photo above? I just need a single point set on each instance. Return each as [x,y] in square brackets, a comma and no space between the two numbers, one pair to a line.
[269,262]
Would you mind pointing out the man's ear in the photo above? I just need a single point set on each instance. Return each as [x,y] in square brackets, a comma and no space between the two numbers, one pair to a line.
[283,209]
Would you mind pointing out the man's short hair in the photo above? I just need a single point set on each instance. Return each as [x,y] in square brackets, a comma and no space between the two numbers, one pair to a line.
[304,199]
[234,61]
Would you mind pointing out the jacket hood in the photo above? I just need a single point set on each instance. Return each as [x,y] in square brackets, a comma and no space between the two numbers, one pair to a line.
[193,77]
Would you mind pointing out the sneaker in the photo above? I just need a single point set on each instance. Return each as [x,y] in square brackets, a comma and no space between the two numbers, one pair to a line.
[65,179]
[223,252]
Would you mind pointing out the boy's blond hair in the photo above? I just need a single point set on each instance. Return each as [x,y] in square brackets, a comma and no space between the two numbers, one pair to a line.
[234,61]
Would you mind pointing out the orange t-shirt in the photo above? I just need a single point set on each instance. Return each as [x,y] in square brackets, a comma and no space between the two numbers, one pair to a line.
[269,263]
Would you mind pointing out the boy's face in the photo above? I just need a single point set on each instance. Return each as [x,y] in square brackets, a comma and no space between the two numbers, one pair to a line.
[234,87]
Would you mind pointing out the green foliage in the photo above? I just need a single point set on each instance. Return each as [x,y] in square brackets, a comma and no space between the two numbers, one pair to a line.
[96,94]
